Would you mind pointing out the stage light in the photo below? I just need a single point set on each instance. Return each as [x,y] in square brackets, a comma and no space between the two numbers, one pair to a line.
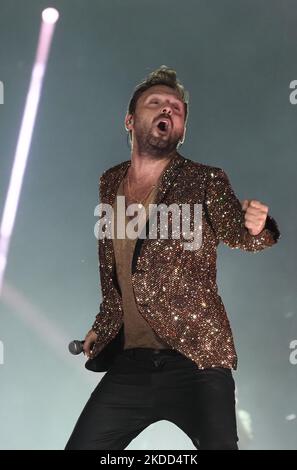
[50,15]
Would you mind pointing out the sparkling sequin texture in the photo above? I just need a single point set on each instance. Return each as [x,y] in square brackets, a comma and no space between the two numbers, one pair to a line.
[176,289]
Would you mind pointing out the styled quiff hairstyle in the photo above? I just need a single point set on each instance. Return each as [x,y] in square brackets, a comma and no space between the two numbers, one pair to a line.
[161,76]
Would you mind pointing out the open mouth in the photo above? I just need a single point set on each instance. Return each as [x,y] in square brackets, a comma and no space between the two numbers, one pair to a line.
[163,126]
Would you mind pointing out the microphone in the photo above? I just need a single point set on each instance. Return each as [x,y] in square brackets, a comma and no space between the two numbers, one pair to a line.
[76,347]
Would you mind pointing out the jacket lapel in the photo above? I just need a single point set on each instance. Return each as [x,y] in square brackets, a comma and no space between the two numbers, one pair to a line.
[169,175]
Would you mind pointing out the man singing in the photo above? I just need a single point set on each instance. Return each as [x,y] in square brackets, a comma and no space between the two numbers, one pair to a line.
[162,332]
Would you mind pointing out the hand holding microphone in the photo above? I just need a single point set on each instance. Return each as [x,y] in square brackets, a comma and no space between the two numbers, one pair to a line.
[77,347]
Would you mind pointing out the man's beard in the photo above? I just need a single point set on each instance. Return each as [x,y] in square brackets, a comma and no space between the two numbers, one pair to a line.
[158,145]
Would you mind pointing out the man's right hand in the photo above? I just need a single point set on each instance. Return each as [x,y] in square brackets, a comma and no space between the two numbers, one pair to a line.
[90,339]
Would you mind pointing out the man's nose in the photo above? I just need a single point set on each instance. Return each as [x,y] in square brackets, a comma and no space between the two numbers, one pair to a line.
[166,110]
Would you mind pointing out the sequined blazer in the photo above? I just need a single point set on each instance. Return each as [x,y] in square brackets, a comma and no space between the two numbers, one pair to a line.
[176,289]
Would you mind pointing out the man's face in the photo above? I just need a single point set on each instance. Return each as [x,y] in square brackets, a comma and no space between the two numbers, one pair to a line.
[158,121]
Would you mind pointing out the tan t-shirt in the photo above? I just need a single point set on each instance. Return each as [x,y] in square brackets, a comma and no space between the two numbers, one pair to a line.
[137,332]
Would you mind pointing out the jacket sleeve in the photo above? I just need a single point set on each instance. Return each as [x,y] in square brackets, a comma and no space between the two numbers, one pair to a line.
[225,215]
[100,317]
[105,319]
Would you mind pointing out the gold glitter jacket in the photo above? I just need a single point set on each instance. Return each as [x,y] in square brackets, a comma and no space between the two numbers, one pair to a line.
[176,289]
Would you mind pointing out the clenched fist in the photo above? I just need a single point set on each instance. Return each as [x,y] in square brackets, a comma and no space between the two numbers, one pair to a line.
[255,215]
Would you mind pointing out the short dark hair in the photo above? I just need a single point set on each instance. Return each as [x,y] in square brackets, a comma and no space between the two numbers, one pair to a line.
[161,76]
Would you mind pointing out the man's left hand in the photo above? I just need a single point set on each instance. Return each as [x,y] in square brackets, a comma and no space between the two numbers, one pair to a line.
[255,215]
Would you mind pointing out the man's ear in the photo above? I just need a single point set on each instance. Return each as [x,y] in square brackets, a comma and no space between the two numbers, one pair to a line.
[128,122]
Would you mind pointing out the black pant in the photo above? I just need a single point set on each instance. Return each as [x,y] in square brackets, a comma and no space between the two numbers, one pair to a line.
[147,385]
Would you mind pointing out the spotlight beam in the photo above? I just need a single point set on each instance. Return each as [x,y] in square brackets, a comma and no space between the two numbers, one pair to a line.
[49,18]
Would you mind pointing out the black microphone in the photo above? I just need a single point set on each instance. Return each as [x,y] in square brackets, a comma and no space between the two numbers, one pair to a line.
[76,347]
